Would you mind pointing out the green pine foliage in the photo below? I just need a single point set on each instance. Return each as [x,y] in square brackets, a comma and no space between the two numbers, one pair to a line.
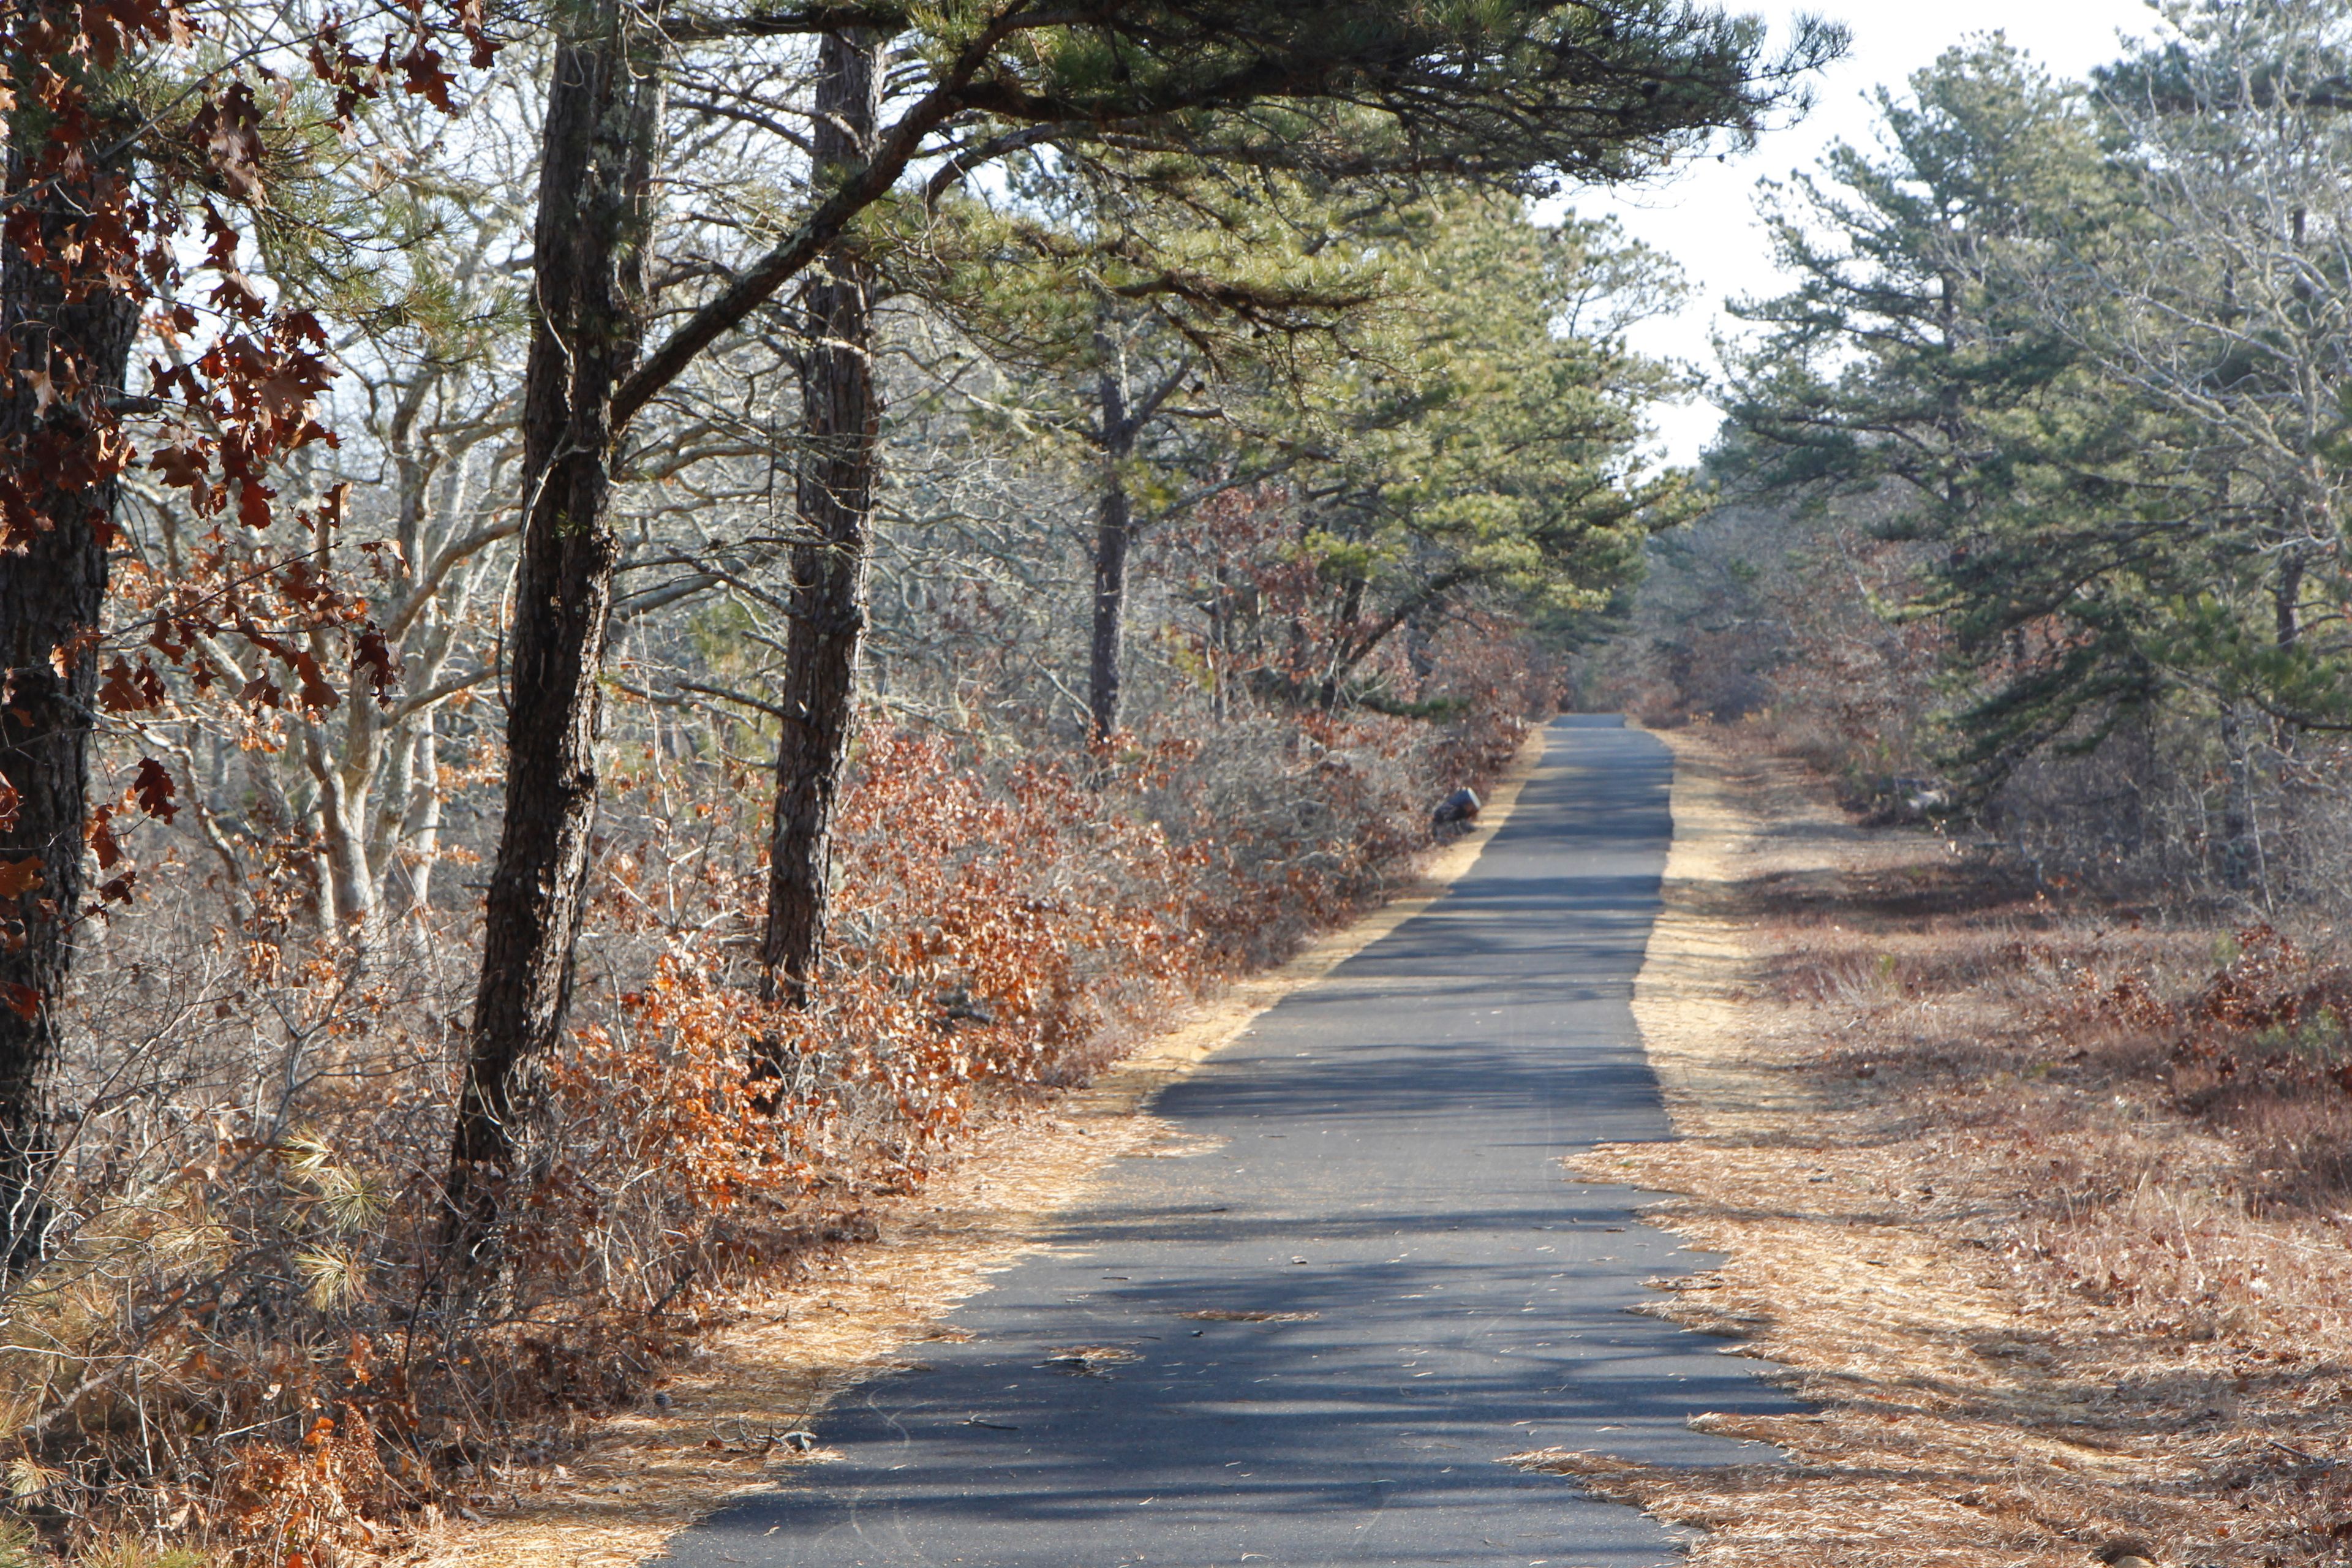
[2085,342]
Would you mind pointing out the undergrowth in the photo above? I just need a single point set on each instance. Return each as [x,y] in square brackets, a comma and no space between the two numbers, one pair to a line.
[2051,1222]
[244,1343]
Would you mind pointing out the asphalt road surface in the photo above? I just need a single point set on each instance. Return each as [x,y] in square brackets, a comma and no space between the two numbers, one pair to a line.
[1379,1165]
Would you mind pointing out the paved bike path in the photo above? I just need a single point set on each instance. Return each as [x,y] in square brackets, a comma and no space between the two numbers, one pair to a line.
[1379,1163]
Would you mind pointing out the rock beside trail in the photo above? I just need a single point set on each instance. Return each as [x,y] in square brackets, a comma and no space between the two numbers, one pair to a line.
[1461,805]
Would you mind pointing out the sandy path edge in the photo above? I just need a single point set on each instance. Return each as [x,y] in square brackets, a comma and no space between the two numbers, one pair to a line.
[646,1474]
[1691,997]
[1991,1348]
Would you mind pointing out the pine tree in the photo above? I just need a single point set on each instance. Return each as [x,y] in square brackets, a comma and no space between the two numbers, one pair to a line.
[1516,93]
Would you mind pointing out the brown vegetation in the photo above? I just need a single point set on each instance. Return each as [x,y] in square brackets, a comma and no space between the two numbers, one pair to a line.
[667,501]
[788,1345]
[244,1345]
[2043,1203]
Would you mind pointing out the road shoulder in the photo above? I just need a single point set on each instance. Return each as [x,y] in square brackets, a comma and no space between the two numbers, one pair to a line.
[1967,1193]
[641,1478]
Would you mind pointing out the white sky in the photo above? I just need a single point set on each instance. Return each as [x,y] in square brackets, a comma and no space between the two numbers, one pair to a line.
[1705,217]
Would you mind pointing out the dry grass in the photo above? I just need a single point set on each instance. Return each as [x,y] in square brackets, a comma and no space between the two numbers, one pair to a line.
[719,1428]
[241,1344]
[2059,1278]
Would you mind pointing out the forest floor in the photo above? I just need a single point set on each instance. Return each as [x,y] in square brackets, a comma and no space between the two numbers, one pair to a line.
[2042,1205]
[717,1429]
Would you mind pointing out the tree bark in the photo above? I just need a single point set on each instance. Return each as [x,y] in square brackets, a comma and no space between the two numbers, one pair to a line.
[2240,847]
[346,876]
[2286,599]
[841,422]
[2286,609]
[1113,532]
[593,227]
[418,846]
[60,495]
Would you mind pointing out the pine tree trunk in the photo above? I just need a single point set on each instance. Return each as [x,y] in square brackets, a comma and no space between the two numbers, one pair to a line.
[841,416]
[2287,607]
[603,110]
[2241,849]
[1113,532]
[61,505]
[2286,599]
